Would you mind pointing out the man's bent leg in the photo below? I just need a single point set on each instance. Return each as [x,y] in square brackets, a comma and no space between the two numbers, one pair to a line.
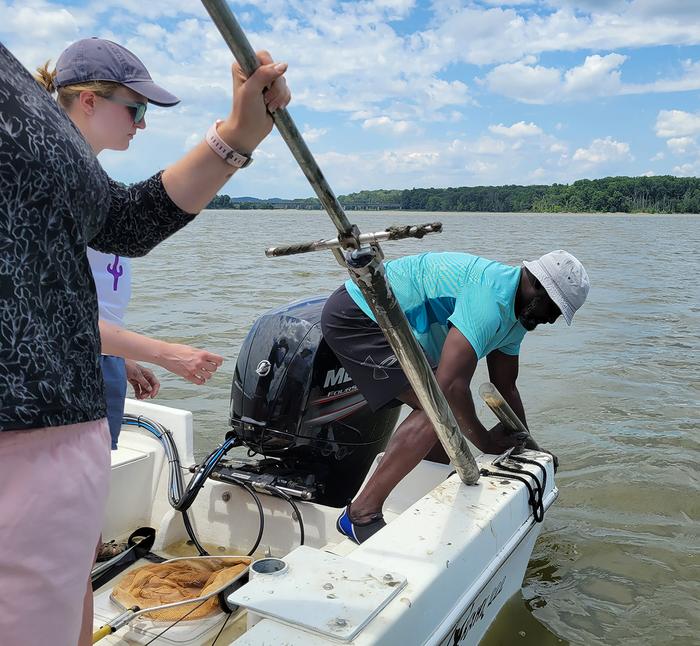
[408,446]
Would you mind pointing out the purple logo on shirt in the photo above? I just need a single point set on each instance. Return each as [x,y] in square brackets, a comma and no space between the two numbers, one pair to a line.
[116,270]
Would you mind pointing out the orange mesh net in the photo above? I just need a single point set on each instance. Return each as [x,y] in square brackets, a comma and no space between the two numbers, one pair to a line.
[158,584]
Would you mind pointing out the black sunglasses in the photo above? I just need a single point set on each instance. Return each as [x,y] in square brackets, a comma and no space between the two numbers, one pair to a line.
[137,109]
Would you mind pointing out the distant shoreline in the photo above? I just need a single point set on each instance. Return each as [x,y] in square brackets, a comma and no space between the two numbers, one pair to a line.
[664,194]
[494,213]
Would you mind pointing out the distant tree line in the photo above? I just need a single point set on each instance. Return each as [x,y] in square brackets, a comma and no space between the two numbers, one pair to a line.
[226,202]
[662,194]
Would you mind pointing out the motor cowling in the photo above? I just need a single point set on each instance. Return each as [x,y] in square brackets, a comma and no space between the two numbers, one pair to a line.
[292,400]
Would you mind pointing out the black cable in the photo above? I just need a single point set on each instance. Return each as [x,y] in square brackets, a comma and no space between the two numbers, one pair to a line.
[284,496]
[261,513]
[192,535]
[202,473]
[535,503]
[200,476]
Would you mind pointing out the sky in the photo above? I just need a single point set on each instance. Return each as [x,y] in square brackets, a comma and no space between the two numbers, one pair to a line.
[398,94]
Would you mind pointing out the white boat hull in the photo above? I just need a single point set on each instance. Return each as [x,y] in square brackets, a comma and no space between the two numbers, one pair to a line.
[462,550]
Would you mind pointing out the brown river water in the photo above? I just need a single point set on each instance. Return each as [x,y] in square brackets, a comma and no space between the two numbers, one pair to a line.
[616,396]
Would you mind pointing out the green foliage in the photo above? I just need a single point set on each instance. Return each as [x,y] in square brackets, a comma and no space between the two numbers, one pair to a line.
[663,194]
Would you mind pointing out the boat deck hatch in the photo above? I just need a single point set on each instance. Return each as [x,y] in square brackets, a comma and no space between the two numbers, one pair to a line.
[322,593]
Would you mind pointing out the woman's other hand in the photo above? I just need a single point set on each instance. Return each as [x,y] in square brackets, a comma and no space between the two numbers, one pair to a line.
[142,380]
[197,366]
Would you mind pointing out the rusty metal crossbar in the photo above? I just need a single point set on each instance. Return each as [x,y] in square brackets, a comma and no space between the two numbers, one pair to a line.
[392,233]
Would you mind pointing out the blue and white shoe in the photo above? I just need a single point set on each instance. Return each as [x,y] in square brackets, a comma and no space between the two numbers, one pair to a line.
[358,532]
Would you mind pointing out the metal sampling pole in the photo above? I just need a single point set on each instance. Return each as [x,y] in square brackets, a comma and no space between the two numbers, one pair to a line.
[364,264]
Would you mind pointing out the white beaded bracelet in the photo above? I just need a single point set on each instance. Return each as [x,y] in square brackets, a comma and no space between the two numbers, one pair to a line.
[223,150]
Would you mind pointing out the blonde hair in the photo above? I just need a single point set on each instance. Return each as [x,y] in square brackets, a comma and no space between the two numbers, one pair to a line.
[68,93]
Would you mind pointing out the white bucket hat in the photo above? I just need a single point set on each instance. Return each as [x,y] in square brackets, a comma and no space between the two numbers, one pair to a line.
[564,279]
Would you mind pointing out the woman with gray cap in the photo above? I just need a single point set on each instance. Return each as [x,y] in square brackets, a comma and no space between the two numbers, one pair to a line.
[55,199]
[82,72]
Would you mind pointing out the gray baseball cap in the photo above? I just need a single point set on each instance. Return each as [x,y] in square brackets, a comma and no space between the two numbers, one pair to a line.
[564,279]
[96,59]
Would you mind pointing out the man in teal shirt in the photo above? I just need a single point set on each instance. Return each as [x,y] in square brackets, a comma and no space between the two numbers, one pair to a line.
[461,308]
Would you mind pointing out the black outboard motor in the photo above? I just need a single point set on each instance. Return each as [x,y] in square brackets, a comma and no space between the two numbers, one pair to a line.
[293,402]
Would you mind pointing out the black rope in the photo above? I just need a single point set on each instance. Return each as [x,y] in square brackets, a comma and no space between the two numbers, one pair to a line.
[160,634]
[522,460]
[535,499]
[228,616]
[539,486]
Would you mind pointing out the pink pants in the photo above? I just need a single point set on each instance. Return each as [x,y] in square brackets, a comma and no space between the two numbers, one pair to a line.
[53,490]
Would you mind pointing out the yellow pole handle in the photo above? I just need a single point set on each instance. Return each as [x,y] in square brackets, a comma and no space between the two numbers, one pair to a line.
[101,633]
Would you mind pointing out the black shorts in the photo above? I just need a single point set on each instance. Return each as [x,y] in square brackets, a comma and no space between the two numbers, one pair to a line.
[362,348]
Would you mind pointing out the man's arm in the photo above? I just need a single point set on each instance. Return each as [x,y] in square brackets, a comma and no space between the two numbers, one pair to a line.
[454,374]
[503,373]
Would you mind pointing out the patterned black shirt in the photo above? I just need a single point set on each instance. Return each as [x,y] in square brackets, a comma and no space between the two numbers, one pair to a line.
[55,198]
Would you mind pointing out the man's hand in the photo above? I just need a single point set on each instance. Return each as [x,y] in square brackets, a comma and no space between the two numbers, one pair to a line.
[142,380]
[197,366]
[499,436]
[500,439]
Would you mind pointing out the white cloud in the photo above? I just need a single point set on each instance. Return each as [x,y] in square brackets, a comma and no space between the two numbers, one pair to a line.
[597,75]
[483,145]
[680,145]
[35,30]
[440,94]
[687,170]
[602,151]
[153,9]
[517,130]
[356,64]
[479,167]
[525,82]
[508,2]
[680,130]
[531,83]
[364,58]
[483,35]
[677,123]
[687,81]
[389,125]
[313,134]
[192,140]
[410,160]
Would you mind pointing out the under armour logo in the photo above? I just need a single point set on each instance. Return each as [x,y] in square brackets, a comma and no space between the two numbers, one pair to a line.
[379,373]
